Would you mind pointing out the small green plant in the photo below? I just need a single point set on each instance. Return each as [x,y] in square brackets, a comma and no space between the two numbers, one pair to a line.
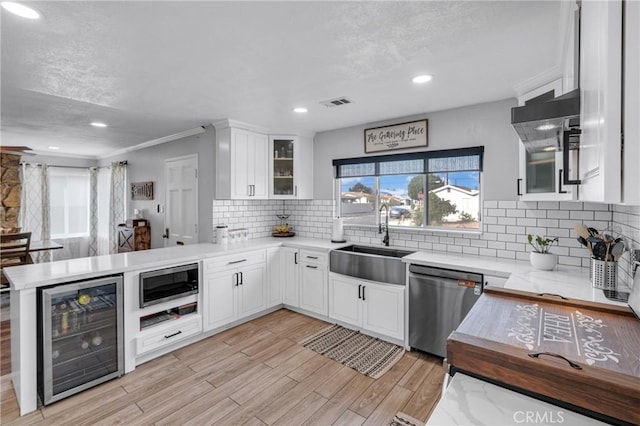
[541,245]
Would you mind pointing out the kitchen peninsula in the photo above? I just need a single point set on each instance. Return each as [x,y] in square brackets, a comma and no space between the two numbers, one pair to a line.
[567,281]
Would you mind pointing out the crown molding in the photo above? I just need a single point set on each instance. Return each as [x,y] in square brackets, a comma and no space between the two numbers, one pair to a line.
[164,139]
[538,80]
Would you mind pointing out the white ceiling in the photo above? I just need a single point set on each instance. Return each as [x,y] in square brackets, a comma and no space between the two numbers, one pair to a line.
[152,69]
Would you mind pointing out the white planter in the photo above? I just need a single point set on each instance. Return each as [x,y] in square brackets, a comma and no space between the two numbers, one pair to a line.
[544,261]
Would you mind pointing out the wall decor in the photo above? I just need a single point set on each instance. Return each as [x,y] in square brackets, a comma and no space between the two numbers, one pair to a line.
[396,136]
[142,190]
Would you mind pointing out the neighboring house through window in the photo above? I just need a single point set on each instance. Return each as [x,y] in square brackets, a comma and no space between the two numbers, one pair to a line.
[431,189]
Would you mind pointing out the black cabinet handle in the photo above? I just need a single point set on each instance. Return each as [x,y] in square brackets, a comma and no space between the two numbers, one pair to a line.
[571,363]
[241,278]
[312,267]
[173,335]
[235,279]
[295,258]
[359,288]
[566,145]
[518,186]
[363,287]
[312,257]
[560,190]
[236,261]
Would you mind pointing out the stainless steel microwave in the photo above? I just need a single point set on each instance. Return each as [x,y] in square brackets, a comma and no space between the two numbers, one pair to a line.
[167,284]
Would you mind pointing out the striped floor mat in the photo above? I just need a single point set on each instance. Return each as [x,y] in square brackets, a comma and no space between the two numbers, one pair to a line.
[367,355]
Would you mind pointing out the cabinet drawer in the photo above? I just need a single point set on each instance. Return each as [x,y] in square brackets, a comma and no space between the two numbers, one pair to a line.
[160,336]
[237,260]
[314,257]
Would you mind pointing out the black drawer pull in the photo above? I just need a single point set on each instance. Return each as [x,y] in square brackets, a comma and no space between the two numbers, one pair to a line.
[237,261]
[172,335]
[571,363]
[312,267]
[312,257]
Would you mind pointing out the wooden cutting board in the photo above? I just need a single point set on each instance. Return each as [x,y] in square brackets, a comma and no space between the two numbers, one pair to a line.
[581,353]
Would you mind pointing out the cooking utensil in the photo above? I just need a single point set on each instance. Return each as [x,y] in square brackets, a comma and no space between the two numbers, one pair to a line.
[582,231]
[617,250]
[599,249]
[593,231]
[585,243]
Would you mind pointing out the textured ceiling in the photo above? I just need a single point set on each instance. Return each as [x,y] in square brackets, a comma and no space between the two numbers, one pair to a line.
[152,69]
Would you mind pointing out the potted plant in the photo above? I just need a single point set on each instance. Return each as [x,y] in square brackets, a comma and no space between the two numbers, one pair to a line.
[540,256]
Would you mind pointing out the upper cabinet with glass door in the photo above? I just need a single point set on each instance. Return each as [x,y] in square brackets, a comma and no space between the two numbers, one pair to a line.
[291,168]
[541,167]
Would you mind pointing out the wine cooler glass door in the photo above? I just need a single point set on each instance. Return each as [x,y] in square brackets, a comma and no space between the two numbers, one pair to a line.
[82,336]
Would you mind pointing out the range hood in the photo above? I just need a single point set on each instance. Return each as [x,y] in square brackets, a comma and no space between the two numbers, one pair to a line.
[541,121]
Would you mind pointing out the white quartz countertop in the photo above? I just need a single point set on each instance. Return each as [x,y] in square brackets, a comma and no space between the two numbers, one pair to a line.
[43,274]
[568,281]
[469,401]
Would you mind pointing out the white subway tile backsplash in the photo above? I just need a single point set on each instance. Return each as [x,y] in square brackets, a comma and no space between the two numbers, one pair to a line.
[581,214]
[558,214]
[505,227]
[507,204]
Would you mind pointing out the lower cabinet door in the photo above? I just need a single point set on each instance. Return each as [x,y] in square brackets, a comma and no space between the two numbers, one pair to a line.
[313,288]
[345,304]
[384,309]
[252,288]
[274,273]
[289,267]
[220,294]
[167,334]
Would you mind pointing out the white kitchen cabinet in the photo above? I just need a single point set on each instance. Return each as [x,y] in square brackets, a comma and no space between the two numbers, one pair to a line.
[601,101]
[290,270]
[313,281]
[290,168]
[275,273]
[242,162]
[493,281]
[374,307]
[234,288]
[541,172]
[631,112]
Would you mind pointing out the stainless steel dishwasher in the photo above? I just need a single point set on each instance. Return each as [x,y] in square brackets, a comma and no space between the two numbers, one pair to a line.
[439,299]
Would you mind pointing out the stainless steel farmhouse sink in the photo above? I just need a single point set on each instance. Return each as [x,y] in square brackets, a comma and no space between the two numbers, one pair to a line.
[370,263]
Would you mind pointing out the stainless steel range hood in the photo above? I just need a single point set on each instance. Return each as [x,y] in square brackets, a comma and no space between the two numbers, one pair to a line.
[541,121]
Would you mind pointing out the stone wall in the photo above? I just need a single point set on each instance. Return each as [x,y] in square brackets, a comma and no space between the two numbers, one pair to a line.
[11,191]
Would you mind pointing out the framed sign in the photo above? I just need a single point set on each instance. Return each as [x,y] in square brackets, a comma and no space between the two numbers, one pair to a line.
[397,136]
[142,191]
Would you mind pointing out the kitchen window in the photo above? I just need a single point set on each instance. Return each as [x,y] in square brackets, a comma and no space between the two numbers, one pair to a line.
[429,190]
[69,202]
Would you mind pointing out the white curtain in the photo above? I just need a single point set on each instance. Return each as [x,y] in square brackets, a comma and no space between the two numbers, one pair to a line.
[117,201]
[93,211]
[34,208]
[102,210]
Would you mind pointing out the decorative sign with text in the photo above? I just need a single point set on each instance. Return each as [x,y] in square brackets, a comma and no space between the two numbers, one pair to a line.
[142,191]
[397,136]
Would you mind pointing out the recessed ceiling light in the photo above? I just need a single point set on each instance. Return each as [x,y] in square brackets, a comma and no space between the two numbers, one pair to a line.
[98,124]
[54,147]
[300,110]
[20,10]
[545,127]
[419,79]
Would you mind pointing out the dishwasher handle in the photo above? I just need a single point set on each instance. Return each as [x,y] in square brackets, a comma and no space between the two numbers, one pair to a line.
[452,274]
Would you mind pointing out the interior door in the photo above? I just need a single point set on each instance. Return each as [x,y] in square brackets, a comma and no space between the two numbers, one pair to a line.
[181,214]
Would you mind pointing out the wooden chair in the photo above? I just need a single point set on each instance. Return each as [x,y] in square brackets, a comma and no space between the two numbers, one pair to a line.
[14,250]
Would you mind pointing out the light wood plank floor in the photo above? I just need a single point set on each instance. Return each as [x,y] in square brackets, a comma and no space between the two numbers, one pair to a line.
[253,374]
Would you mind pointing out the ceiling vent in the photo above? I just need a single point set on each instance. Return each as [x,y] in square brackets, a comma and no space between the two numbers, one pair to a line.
[336,102]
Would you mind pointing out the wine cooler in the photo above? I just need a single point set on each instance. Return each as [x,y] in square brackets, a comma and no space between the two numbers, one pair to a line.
[80,336]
